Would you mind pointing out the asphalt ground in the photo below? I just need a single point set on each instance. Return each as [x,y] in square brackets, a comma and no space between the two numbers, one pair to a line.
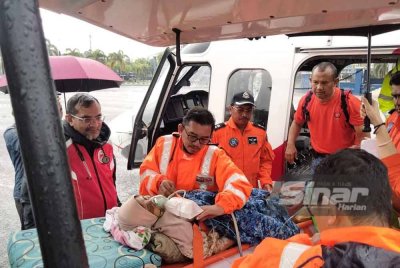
[113,102]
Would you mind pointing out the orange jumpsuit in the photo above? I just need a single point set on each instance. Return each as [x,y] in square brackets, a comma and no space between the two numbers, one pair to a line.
[250,151]
[298,251]
[209,169]
[393,127]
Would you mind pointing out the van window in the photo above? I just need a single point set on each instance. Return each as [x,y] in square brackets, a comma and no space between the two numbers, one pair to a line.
[191,89]
[256,81]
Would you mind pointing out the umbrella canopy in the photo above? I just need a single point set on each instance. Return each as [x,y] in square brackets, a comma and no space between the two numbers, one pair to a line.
[72,74]
[3,84]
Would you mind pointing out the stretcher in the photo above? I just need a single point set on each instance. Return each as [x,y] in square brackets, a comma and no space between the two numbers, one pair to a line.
[102,251]
[24,250]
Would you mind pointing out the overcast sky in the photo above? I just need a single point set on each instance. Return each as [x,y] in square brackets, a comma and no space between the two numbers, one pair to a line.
[67,32]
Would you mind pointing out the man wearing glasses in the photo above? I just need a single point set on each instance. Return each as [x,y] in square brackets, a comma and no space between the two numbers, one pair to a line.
[90,157]
[186,161]
[246,142]
[393,122]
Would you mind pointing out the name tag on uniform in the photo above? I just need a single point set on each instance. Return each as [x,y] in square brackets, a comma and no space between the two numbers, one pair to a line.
[252,140]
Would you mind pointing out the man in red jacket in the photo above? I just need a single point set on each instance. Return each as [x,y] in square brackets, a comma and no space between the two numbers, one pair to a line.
[90,157]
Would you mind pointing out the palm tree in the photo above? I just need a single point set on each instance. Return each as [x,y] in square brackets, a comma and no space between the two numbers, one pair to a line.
[118,61]
[52,50]
[97,55]
[73,52]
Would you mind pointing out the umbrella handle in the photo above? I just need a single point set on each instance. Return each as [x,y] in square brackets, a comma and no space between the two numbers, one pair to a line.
[367,122]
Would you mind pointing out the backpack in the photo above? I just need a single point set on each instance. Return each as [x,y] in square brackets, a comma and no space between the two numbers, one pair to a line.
[344,94]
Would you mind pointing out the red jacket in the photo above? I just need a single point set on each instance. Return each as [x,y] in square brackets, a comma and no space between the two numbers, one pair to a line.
[167,160]
[93,177]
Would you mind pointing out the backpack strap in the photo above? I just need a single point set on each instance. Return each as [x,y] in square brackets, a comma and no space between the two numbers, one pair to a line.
[344,95]
[306,113]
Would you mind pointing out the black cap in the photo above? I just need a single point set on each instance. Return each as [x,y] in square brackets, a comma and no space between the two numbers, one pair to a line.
[243,98]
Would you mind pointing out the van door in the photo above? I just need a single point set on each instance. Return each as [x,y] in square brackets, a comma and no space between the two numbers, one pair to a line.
[148,116]
[173,91]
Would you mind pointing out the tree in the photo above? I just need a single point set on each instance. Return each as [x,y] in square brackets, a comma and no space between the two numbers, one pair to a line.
[52,50]
[118,61]
[73,52]
[97,55]
[142,68]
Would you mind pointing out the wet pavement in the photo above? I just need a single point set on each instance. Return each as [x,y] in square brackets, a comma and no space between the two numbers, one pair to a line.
[113,102]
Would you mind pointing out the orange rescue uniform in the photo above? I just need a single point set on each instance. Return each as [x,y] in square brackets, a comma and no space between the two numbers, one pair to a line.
[393,127]
[298,251]
[209,169]
[250,151]
[329,131]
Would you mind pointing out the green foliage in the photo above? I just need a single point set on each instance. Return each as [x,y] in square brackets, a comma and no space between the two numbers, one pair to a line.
[140,69]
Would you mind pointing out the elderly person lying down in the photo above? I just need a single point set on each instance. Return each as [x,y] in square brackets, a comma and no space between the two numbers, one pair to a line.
[141,221]
[142,216]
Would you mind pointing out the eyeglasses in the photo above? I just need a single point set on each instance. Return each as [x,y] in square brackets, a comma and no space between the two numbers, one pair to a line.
[242,110]
[88,120]
[193,138]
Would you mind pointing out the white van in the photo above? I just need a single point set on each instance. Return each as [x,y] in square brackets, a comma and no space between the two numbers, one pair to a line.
[212,72]
[275,69]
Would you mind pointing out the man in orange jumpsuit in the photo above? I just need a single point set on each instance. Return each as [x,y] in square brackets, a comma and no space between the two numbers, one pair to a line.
[393,122]
[354,228]
[245,142]
[332,115]
[185,161]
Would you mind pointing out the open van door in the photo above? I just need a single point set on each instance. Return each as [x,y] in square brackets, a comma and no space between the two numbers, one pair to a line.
[148,118]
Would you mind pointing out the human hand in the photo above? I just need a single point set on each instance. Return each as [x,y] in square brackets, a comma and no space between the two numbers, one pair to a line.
[372,111]
[166,188]
[267,187]
[290,153]
[210,212]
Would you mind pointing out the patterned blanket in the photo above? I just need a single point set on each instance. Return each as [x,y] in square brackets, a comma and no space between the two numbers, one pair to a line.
[261,217]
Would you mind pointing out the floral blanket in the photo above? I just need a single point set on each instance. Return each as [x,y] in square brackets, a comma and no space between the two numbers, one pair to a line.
[261,217]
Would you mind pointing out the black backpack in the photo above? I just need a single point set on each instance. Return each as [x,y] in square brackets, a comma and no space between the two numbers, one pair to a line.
[343,99]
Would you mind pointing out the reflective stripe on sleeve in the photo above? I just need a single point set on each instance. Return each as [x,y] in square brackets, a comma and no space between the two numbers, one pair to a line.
[147,172]
[151,174]
[166,154]
[229,186]
[291,254]
[205,166]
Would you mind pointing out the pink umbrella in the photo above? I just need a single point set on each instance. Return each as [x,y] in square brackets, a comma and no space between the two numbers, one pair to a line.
[72,74]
